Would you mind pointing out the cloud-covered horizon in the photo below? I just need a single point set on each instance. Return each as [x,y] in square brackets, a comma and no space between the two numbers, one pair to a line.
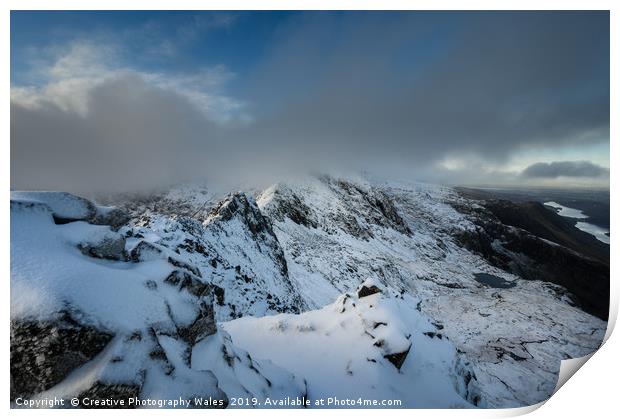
[448,97]
[575,169]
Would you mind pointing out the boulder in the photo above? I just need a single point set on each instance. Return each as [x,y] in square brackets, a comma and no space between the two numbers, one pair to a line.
[398,358]
[110,246]
[65,207]
[368,287]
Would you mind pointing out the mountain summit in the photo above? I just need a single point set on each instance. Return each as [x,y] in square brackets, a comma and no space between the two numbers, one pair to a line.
[316,288]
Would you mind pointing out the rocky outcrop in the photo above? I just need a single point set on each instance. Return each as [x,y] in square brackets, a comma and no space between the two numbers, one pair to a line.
[246,247]
[369,287]
[466,381]
[238,205]
[369,204]
[286,204]
[109,246]
[398,359]
[393,342]
[43,353]
[67,208]
[186,266]
[245,210]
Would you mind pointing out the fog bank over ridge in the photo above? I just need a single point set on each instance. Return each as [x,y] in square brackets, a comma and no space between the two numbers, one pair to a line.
[455,98]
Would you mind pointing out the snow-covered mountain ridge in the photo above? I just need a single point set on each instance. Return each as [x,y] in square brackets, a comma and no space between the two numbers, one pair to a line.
[190,294]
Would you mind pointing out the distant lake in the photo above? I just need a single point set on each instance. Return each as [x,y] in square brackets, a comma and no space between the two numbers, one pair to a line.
[566,211]
[493,281]
[600,233]
[591,202]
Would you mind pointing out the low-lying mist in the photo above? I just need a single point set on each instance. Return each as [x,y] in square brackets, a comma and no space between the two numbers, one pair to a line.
[333,92]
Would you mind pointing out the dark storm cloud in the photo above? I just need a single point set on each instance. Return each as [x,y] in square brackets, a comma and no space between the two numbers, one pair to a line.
[336,90]
[134,136]
[565,169]
[420,86]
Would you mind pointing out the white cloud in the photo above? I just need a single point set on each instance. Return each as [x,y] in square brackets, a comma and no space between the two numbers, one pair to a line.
[69,79]
[94,124]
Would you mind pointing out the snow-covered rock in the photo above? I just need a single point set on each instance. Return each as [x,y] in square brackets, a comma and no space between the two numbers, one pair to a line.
[376,347]
[234,246]
[66,207]
[368,287]
[319,287]
[45,352]
[85,326]
[103,244]
[514,339]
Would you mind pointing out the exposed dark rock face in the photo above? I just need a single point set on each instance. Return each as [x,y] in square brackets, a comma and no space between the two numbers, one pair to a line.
[586,279]
[365,291]
[518,249]
[351,225]
[192,246]
[238,205]
[398,359]
[219,294]
[365,207]
[43,353]
[293,208]
[386,207]
[371,205]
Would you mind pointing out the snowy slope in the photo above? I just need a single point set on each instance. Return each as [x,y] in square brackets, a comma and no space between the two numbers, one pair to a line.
[88,326]
[199,293]
[515,337]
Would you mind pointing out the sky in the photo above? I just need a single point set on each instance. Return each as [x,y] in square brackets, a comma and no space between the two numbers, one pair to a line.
[126,100]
